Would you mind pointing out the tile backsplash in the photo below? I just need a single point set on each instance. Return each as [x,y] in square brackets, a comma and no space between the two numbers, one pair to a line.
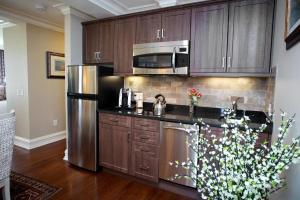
[256,93]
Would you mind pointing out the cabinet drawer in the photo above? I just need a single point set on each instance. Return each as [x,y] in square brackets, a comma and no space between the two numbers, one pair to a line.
[151,150]
[146,124]
[116,120]
[145,161]
[146,136]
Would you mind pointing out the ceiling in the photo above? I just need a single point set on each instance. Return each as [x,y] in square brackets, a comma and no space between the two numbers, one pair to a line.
[48,11]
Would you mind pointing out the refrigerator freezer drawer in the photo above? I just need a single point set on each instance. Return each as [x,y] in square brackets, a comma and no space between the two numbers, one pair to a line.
[82,79]
[82,133]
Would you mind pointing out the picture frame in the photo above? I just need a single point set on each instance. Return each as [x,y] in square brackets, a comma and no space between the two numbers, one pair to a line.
[292,23]
[55,65]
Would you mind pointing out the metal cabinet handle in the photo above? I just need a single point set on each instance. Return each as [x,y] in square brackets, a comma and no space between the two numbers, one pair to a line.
[144,168]
[175,128]
[229,62]
[163,33]
[99,56]
[158,34]
[144,137]
[95,55]
[128,138]
[173,59]
[223,62]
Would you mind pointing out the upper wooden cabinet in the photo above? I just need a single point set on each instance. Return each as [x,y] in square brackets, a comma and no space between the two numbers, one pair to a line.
[98,40]
[209,38]
[149,27]
[124,39]
[90,42]
[232,36]
[250,36]
[176,25]
[241,44]
[168,26]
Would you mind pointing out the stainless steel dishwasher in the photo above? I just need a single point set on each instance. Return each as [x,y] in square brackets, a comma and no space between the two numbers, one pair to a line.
[173,146]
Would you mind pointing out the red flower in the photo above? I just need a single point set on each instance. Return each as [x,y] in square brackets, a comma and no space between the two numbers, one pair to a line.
[193,92]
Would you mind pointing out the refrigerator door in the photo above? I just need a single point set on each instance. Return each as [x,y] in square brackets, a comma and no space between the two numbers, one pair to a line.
[82,133]
[82,79]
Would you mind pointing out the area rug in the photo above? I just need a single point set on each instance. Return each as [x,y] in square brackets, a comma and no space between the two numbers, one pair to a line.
[26,188]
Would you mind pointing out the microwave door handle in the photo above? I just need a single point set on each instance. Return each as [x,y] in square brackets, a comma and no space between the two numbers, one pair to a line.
[173,59]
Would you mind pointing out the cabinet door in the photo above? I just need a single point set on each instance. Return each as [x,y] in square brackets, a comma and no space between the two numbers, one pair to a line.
[90,42]
[121,143]
[106,146]
[106,44]
[209,39]
[176,25]
[149,29]
[124,39]
[250,34]
[145,161]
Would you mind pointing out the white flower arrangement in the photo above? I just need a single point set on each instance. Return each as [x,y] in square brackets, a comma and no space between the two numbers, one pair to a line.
[231,167]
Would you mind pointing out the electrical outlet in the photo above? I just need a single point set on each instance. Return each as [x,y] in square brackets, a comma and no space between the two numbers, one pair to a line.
[55,122]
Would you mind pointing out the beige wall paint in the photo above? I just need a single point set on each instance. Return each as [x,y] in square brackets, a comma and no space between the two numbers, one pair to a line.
[43,100]
[287,96]
[46,96]
[15,46]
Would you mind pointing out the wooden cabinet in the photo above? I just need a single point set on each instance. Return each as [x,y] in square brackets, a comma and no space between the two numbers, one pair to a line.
[106,147]
[124,39]
[209,38]
[121,144]
[145,161]
[176,25]
[250,35]
[90,42]
[148,28]
[106,44]
[115,142]
[145,148]
[241,44]
[98,40]
[168,26]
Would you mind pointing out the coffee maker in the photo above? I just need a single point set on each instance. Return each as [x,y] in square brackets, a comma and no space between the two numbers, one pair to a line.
[125,98]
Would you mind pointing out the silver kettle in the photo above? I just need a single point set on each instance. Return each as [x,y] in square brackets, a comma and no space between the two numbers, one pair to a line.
[159,105]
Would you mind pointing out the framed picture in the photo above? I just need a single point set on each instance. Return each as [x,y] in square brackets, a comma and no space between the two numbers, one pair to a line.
[292,23]
[55,65]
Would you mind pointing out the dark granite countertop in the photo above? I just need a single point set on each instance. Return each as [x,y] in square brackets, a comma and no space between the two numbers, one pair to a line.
[180,114]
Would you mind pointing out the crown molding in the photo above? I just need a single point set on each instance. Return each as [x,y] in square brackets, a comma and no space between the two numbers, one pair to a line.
[110,6]
[67,10]
[166,3]
[137,8]
[18,16]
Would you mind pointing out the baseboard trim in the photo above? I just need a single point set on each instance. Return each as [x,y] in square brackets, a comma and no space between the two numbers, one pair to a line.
[40,141]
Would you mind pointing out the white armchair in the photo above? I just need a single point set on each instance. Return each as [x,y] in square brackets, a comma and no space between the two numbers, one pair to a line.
[7,134]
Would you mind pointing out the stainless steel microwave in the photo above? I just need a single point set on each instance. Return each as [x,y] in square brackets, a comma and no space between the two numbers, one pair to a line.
[162,58]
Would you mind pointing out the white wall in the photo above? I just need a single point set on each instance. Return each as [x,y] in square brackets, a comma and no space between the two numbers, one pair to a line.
[1,38]
[287,96]
[17,75]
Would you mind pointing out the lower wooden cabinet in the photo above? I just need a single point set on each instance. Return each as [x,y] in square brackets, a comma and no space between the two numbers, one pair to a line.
[145,161]
[121,145]
[105,146]
[114,147]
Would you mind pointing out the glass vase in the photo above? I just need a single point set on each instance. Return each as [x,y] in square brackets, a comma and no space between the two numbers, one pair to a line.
[192,109]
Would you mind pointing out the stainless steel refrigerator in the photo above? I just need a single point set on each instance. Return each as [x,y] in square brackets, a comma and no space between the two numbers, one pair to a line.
[87,90]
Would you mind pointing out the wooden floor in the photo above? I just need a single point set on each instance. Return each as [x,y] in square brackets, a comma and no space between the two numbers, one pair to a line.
[46,164]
